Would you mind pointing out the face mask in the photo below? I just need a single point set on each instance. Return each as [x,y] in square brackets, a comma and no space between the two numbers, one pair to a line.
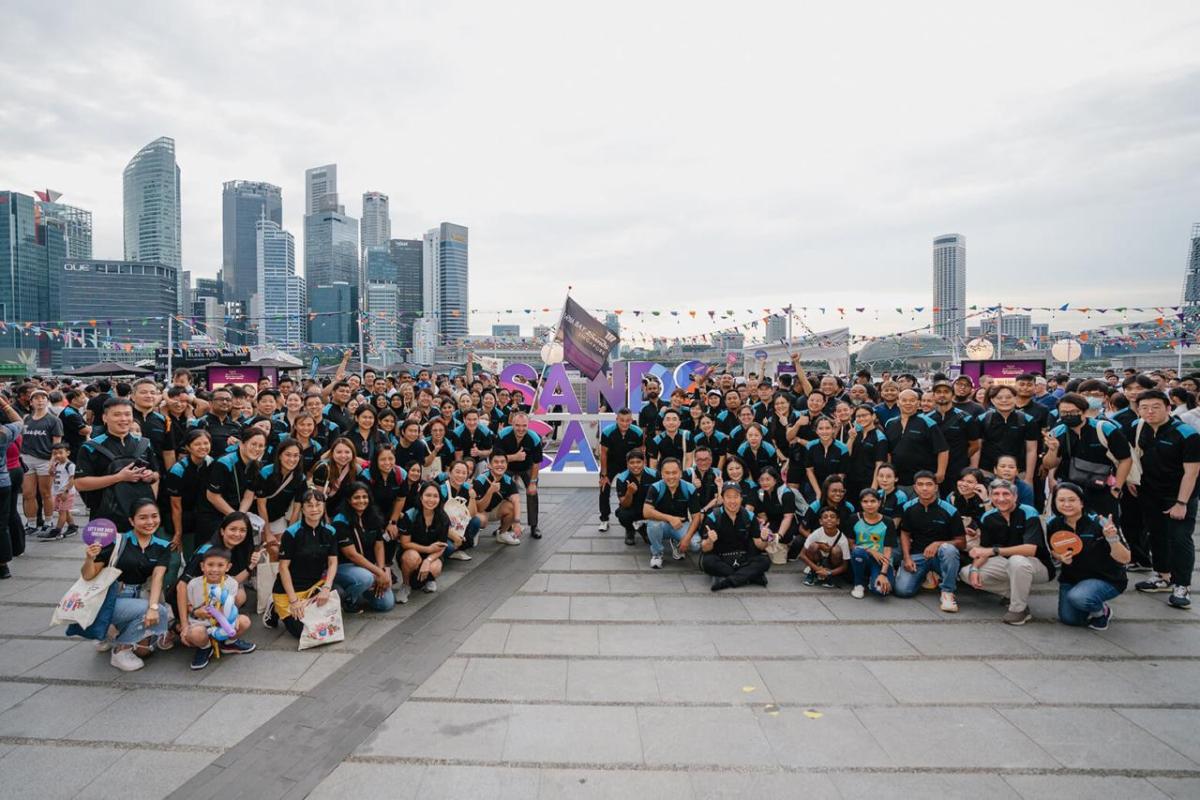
[1095,403]
[1071,420]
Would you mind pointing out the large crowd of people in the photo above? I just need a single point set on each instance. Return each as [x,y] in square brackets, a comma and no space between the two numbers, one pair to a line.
[367,485]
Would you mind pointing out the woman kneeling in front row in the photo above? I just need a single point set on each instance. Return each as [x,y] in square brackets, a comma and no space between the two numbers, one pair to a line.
[307,565]
[140,615]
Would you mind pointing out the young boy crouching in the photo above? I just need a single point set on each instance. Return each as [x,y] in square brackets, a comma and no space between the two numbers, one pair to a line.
[213,622]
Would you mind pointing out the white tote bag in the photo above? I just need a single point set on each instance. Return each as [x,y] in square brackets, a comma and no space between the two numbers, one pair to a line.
[459,514]
[84,599]
[322,624]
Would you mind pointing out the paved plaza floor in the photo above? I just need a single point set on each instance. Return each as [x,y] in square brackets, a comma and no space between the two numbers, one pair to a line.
[567,668]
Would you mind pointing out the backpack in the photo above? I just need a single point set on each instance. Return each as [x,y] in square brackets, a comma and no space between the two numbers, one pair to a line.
[116,501]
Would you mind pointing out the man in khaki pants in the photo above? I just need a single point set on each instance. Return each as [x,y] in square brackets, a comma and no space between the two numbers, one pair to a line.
[1012,554]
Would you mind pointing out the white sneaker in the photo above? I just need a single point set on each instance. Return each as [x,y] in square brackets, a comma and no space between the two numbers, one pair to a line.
[104,645]
[460,555]
[507,538]
[603,525]
[430,586]
[126,661]
[858,592]
[676,554]
[655,562]
[949,604]
[402,593]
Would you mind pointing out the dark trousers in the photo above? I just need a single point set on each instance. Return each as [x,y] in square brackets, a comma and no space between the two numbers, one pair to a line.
[1170,539]
[739,570]
[16,528]
[606,499]
[628,516]
[1133,529]
[531,500]
[9,541]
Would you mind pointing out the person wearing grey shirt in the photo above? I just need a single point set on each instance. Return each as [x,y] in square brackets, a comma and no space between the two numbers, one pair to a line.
[42,430]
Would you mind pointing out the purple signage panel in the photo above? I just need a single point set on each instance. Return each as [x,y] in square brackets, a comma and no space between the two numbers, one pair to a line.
[1004,370]
[230,376]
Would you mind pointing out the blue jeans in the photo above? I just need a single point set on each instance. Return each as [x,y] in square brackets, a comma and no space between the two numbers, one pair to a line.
[470,533]
[945,564]
[128,613]
[355,583]
[1079,602]
[867,569]
[657,531]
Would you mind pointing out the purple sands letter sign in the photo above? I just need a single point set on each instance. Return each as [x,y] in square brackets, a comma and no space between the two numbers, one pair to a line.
[586,340]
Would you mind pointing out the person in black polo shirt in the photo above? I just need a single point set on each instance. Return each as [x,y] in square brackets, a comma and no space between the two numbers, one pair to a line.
[1011,555]
[671,442]
[931,536]
[727,418]
[524,450]
[324,431]
[959,429]
[307,566]
[964,396]
[632,485]
[915,442]
[115,468]
[705,478]
[425,542]
[1090,452]
[335,411]
[671,509]
[1170,463]
[1026,390]
[648,419]
[473,441]
[75,427]
[1087,580]
[617,440]
[1003,430]
[140,615]
[218,421]
[497,498]
[717,442]
[732,547]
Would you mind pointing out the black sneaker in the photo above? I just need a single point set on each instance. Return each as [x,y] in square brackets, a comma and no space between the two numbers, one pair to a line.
[1133,566]
[201,657]
[1100,623]
[70,530]
[270,617]
[828,583]
[1180,597]
[238,647]
[5,572]
[534,533]
[1155,584]
[759,580]
[49,534]
[629,540]
[720,583]
[810,579]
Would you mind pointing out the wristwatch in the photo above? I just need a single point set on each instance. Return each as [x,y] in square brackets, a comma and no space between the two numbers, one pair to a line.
[995,551]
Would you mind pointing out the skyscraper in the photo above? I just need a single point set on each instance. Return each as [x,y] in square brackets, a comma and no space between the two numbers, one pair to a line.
[445,275]
[383,322]
[330,246]
[319,182]
[76,222]
[950,286]
[153,229]
[1191,286]
[280,305]
[335,320]
[130,302]
[400,263]
[32,252]
[376,224]
[243,205]
[613,323]
[776,328]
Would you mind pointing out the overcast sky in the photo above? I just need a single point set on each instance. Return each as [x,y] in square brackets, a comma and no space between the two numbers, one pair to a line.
[654,155]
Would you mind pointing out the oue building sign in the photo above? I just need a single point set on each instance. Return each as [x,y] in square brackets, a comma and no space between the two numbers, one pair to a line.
[621,387]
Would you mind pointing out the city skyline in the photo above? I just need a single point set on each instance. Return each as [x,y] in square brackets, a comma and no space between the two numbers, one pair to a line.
[1076,165]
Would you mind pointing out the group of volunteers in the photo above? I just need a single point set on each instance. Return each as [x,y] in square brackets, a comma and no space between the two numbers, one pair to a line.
[365,485]
[898,485]
[359,485]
